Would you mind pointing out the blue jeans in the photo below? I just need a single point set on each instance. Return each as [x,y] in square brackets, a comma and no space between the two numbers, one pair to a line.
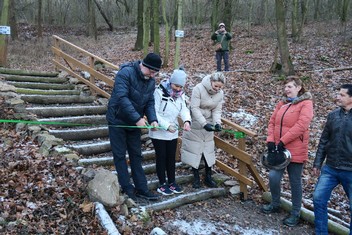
[295,176]
[122,139]
[219,56]
[329,178]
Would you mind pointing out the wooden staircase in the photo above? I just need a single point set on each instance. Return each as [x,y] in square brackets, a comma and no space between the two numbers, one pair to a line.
[53,99]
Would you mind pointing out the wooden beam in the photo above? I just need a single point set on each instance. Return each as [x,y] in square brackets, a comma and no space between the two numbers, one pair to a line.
[238,127]
[232,150]
[234,173]
[97,89]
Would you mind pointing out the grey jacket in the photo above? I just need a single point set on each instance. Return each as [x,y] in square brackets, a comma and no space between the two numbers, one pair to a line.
[336,141]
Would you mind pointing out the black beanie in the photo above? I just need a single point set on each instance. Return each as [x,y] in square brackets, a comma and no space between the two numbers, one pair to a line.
[152,61]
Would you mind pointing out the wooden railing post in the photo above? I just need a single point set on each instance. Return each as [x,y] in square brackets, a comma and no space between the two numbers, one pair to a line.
[243,170]
[92,78]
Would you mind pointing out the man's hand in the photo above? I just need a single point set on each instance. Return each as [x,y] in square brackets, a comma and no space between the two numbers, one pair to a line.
[187,126]
[154,125]
[316,171]
[141,122]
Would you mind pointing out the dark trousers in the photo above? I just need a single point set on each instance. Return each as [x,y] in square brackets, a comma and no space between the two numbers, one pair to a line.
[219,56]
[165,159]
[122,139]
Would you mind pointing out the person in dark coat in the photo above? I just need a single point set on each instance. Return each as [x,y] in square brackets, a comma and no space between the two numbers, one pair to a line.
[131,100]
[335,149]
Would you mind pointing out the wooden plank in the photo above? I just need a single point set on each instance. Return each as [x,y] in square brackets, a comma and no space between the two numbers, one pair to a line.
[83,66]
[232,172]
[234,151]
[100,91]
[84,52]
[238,127]
[258,179]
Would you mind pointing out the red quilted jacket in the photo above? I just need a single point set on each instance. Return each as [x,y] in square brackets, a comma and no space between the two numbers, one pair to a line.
[289,123]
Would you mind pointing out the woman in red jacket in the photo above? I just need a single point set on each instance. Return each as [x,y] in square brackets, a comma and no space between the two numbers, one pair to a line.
[289,129]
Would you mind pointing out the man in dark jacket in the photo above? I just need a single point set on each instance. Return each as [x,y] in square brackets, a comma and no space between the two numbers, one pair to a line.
[336,147]
[131,99]
[222,38]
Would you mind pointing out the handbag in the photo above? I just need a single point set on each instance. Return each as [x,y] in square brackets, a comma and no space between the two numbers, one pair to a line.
[217,46]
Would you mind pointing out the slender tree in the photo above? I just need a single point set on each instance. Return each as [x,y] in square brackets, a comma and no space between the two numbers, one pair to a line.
[108,22]
[13,20]
[140,31]
[167,33]
[39,22]
[4,19]
[92,27]
[179,27]
[155,23]
[287,66]
[146,26]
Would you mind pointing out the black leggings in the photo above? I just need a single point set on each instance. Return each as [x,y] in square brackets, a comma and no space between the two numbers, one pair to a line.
[165,151]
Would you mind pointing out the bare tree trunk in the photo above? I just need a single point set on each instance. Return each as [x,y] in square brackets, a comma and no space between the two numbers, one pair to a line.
[111,28]
[179,27]
[249,23]
[316,9]
[155,23]
[167,35]
[294,20]
[344,15]
[140,31]
[92,27]
[146,26]
[287,66]
[304,7]
[228,16]
[39,23]
[4,38]
[214,15]
[13,21]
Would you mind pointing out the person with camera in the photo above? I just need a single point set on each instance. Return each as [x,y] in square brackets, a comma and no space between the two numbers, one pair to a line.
[221,40]
[198,143]
[289,129]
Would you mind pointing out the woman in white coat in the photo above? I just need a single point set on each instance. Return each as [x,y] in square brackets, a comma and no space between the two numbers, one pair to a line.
[206,106]
[170,103]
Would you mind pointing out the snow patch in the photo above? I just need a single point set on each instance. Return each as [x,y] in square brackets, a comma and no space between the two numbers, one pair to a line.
[244,119]
[202,227]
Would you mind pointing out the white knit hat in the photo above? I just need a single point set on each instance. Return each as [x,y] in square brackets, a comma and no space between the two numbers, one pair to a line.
[178,77]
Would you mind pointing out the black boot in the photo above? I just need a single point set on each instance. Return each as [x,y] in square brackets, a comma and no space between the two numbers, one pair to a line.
[196,182]
[208,180]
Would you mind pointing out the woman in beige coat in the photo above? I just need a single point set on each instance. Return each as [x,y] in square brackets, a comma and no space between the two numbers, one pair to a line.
[206,107]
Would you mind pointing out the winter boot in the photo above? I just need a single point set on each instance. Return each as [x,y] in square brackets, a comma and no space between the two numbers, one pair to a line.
[196,182]
[208,180]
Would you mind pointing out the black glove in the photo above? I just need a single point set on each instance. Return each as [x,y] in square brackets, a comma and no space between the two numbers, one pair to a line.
[271,146]
[218,127]
[209,127]
[281,147]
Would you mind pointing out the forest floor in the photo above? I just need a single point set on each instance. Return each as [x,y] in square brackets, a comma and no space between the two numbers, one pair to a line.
[320,59]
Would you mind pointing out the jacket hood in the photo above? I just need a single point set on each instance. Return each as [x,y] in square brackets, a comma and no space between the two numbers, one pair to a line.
[135,65]
[304,96]
[207,84]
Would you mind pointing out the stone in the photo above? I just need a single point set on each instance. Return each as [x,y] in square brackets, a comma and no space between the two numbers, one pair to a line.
[104,188]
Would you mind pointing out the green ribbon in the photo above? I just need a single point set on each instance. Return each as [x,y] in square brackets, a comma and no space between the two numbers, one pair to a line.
[236,134]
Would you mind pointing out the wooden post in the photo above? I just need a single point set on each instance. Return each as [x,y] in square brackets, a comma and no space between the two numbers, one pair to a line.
[5,31]
[243,170]
[92,78]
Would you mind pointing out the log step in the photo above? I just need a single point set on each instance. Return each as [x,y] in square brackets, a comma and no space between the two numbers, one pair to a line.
[46,92]
[81,134]
[44,86]
[57,99]
[28,73]
[91,119]
[67,110]
[91,148]
[109,161]
[34,79]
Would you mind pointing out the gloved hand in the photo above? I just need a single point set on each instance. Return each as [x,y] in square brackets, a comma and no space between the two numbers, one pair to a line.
[281,147]
[209,127]
[271,146]
[218,127]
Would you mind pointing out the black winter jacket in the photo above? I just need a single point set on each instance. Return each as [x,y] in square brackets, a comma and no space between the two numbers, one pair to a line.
[132,97]
[336,141]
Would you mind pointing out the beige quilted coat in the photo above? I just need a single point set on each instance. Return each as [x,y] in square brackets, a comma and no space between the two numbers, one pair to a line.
[206,105]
